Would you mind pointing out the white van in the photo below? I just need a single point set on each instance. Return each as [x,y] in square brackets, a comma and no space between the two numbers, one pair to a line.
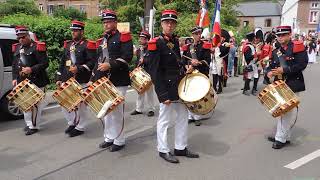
[7,38]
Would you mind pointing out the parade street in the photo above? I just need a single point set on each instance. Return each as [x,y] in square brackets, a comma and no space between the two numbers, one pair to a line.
[232,144]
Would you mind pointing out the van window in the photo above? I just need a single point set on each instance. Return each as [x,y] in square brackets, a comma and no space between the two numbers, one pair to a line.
[6,46]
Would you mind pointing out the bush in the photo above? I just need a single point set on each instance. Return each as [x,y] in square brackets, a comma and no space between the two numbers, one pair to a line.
[70,13]
[19,6]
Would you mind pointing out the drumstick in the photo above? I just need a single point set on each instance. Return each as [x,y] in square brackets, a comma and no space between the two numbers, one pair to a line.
[201,62]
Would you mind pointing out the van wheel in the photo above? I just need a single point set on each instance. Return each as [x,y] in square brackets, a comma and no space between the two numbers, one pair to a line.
[12,112]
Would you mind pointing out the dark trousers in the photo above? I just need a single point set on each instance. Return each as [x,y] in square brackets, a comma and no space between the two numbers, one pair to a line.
[217,80]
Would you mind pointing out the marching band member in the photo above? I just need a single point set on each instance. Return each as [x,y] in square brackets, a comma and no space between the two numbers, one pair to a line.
[77,61]
[148,96]
[115,51]
[166,73]
[288,61]
[251,67]
[30,62]
[200,55]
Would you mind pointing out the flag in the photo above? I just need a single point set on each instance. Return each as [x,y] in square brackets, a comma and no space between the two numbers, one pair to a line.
[216,28]
[318,28]
[203,15]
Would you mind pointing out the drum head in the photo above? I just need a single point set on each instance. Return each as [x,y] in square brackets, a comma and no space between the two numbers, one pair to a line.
[193,87]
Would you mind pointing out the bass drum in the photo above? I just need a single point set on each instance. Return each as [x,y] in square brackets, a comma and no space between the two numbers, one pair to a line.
[196,91]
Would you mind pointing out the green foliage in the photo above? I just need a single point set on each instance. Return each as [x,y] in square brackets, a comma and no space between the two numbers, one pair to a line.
[19,6]
[70,13]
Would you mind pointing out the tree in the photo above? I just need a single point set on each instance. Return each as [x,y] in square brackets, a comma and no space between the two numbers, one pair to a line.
[11,7]
[70,13]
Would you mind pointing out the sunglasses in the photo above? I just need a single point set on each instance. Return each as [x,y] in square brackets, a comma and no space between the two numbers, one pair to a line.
[21,37]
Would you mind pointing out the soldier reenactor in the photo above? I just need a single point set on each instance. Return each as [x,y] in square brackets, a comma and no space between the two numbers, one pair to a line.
[77,61]
[30,62]
[166,72]
[115,51]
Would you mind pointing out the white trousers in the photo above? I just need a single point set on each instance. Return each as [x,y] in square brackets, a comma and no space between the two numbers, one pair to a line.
[197,117]
[147,98]
[254,73]
[77,118]
[33,117]
[284,124]
[113,122]
[167,113]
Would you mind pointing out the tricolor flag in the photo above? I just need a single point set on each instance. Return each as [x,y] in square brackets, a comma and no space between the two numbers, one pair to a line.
[318,28]
[216,28]
[203,15]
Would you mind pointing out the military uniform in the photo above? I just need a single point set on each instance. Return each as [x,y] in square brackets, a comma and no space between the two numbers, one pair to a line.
[34,56]
[82,55]
[116,49]
[201,52]
[293,59]
[147,98]
[166,72]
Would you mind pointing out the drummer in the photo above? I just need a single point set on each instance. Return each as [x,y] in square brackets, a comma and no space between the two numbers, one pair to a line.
[115,51]
[30,62]
[288,61]
[197,55]
[77,61]
[165,64]
[148,96]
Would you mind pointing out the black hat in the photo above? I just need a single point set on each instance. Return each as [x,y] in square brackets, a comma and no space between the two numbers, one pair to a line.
[283,30]
[225,34]
[196,29]
[108,14]
[145,34]
[169,14]
[77,25]
[250,36]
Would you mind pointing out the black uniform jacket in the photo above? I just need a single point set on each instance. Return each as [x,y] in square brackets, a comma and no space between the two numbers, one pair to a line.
[202,51]
[85,53]
[120,50]
[165,66]
[36,58]
[296,60]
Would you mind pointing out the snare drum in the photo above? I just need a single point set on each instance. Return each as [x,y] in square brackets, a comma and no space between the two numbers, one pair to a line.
[278,98]
[102,97]
[26,95]
[197,93]
[68,95]
[140,80]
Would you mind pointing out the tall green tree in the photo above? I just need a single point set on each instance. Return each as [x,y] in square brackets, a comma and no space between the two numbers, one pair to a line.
[11,7]
[70,13]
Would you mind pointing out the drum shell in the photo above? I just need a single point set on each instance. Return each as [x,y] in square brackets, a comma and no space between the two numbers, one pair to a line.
[140,80]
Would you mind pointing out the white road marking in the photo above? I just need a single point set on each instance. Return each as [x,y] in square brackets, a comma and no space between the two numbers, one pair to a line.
[303,160]
[139,130]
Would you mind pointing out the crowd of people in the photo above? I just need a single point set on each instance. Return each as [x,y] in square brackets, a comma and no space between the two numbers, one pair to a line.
[167,60]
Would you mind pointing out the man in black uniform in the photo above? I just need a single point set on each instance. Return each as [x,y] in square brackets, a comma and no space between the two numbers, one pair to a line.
[77,61]
[30,62]
[199,58]
[115,51]
[148,96]
[288,61]
[166,72]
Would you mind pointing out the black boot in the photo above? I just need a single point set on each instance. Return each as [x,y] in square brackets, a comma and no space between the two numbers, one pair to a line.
[31,131]
[69,129]
[278,145]
[105,144]
[75,132]
[115,148]
[135,112]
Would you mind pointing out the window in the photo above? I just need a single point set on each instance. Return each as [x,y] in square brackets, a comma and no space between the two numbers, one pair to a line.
[83,8]
[315,5]
[41,7]
[61,6]
[267,23]
[245,23]
[313,17]
[50,9]
[6,50]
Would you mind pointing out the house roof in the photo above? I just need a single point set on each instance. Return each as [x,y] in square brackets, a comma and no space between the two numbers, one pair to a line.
[259,8]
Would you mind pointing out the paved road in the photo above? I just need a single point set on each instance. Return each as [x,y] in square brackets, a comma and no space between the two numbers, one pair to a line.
[232,145]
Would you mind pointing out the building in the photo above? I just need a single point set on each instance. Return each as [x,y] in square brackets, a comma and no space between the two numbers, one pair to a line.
[302,15]
[263,14]
[91,7]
